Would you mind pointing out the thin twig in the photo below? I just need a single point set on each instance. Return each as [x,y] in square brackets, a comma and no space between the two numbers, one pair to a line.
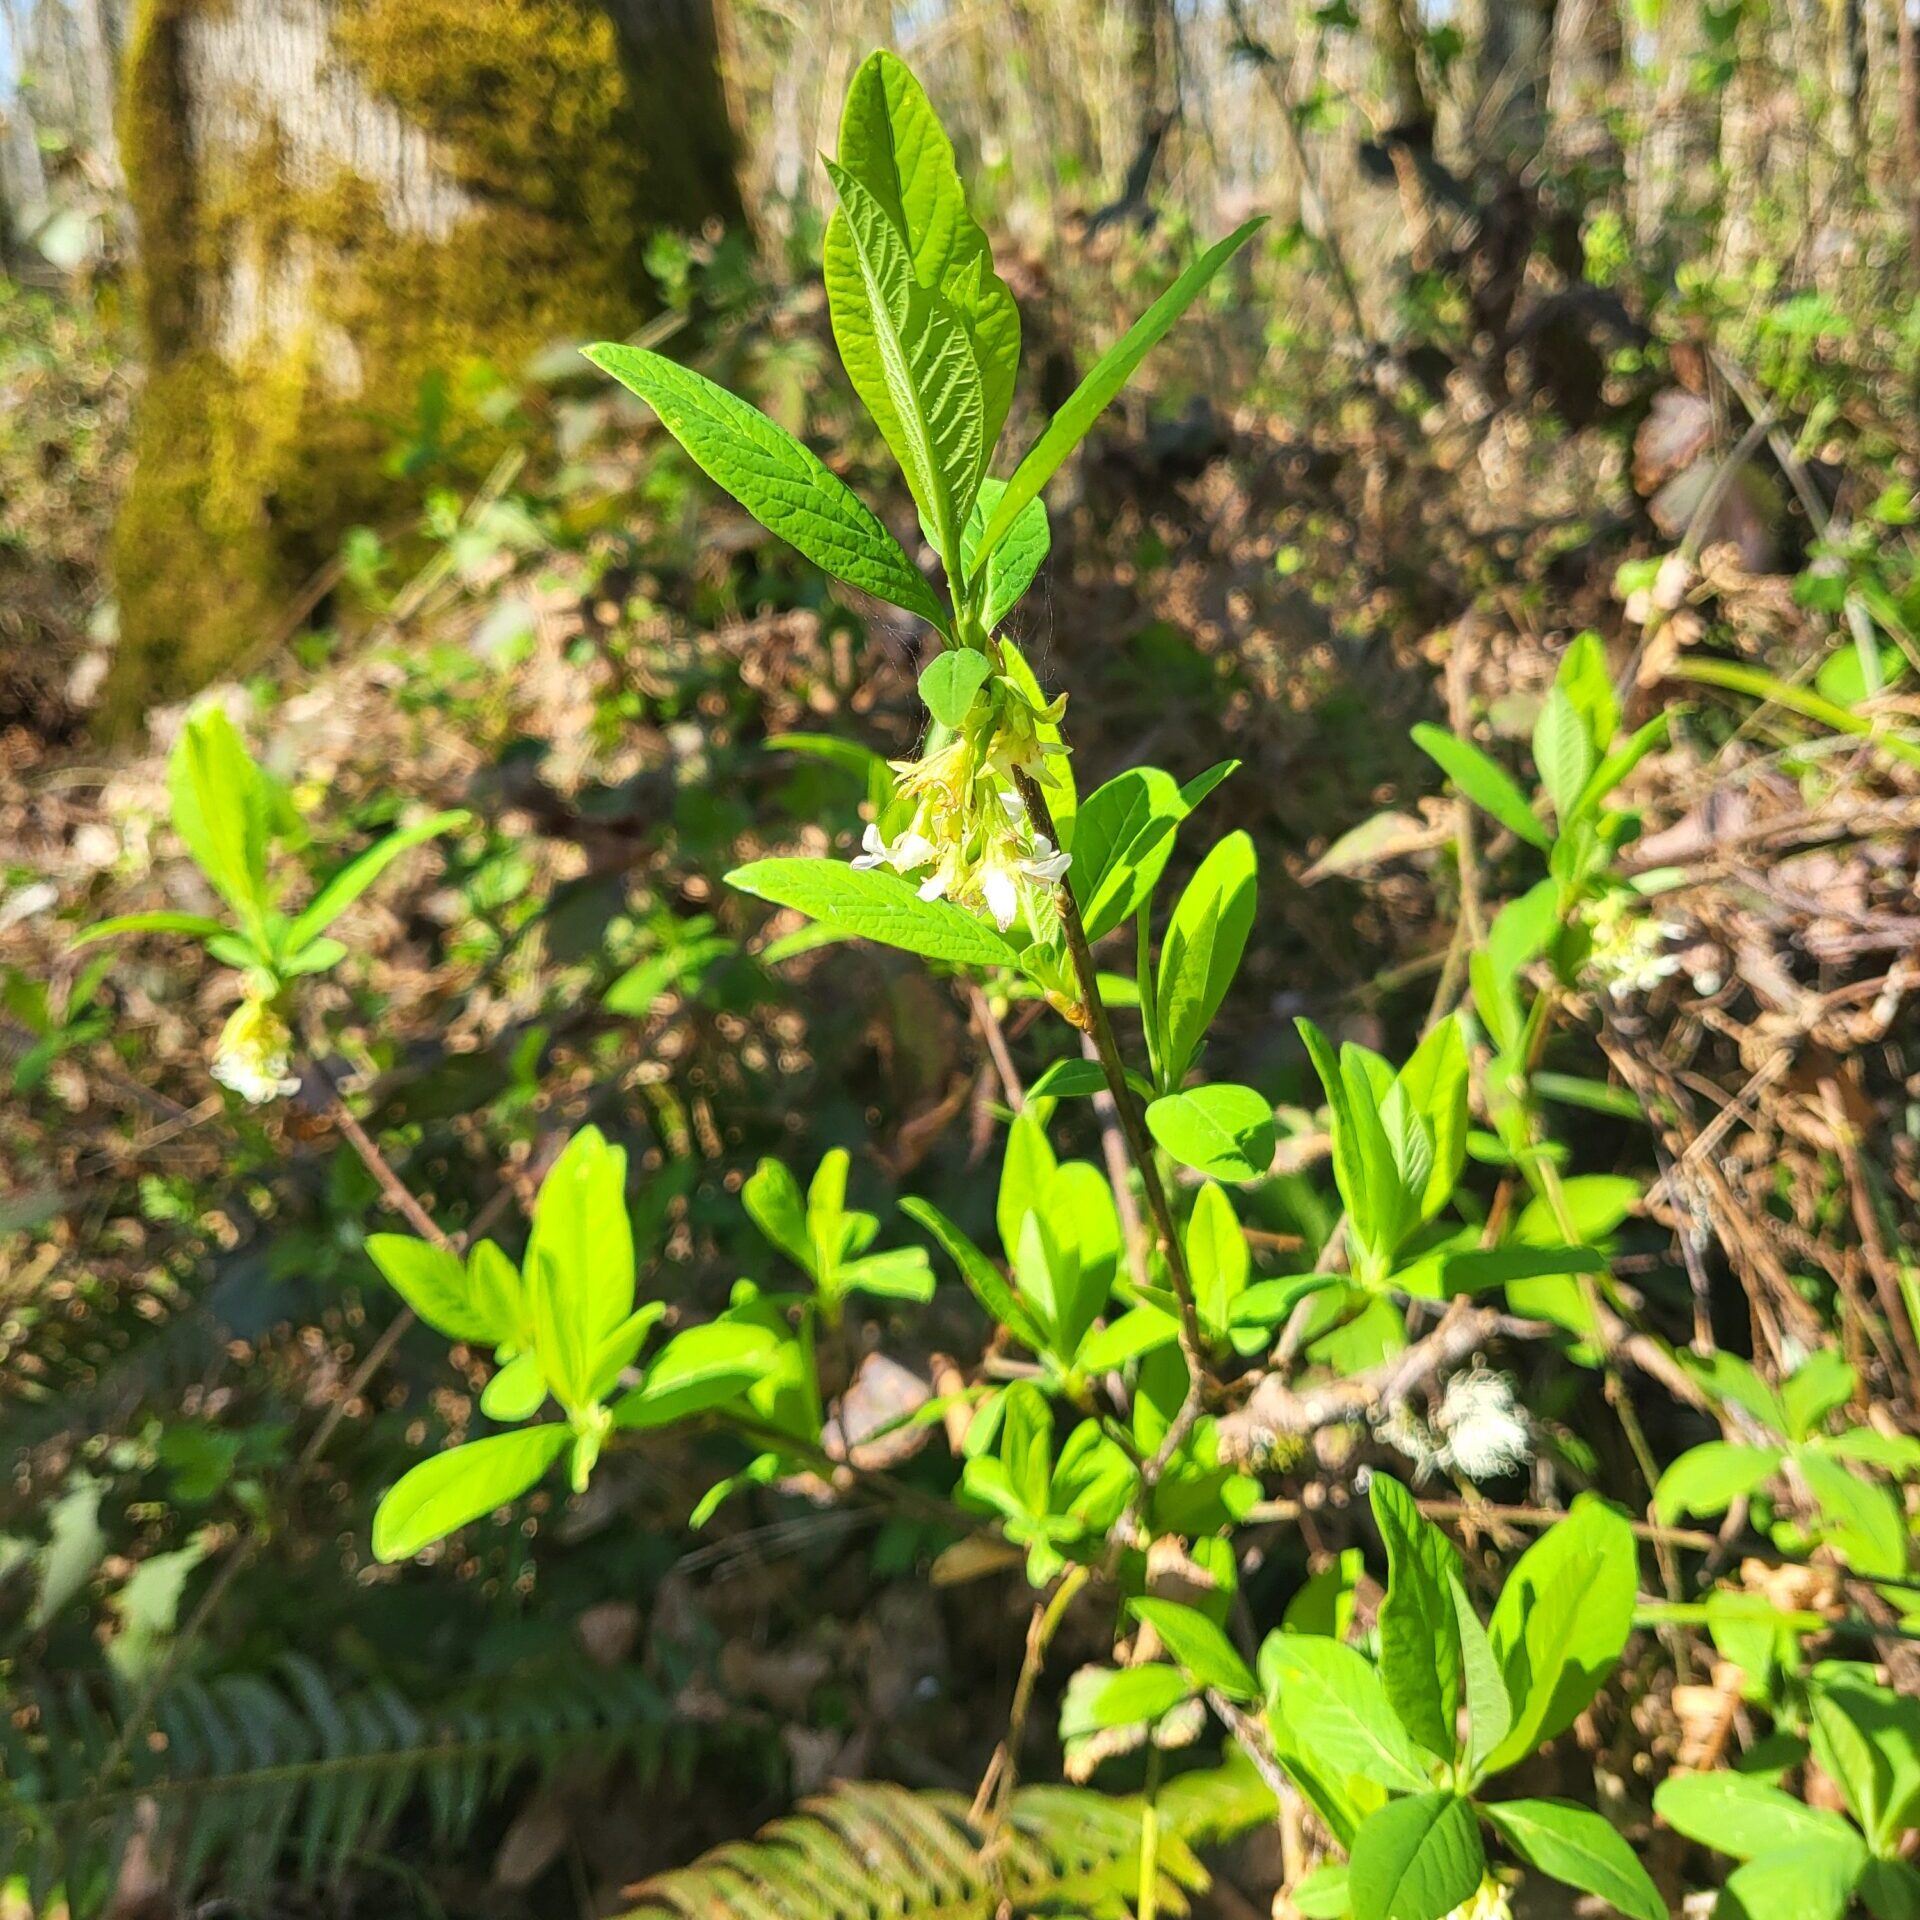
[995,1798]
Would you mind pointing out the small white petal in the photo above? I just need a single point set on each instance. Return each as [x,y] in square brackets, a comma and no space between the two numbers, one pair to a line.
[997,888]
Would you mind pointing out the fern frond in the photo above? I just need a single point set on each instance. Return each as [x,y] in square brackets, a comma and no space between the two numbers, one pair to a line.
[869,1849]
[277,1775]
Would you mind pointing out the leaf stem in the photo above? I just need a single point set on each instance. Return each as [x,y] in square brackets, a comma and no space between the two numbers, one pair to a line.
[1107,1050]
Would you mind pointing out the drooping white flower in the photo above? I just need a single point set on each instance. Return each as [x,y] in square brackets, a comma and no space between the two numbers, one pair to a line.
[1046,862]
[254,1055]
[970,839]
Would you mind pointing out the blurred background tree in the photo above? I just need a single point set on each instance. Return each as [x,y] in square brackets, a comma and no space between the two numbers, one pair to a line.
[342,208]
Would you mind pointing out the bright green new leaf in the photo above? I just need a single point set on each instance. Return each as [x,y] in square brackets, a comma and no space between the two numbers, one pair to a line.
[1863,1519]
[1416,1859]
[1483,780]
[1737,1814]
[517,1392]
[1596,1203]
[1890,1890]
[1337,1701]
[1563,752]
[1435,1078]
[1867,1738]
[1222,1130]
[196,925]
[1122,837]
[461,1485]
[582,1235]
[1218,1261]
[698,1369]
[892,142]
[875,905]
[1141,1329]
[1110,373]
[1069,1080]
[1419,1635]
[983,1278]
[1349,1167]
[1027,1167]
[1561,1622]
[222,809]
[1583,676]
[951,682]
[1130,1697]
[1013,563]
[1578,1848]
[910,358]
[1324,1894]
[1810,1883]
[433,1282]
[783,485]
[1200,1647]
[1201,953]
[1708,1479]
[346,886]
[1482,1684]
[1821,1384]
[775,1205]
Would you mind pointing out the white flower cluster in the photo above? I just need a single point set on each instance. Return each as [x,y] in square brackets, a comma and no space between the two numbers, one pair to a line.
[1629,954]
[254,1056]
[969,839]
[1479,1430]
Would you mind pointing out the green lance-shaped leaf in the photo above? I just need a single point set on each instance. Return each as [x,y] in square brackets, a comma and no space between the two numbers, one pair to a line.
[433,1282]
[1110,373]
[910,359]
[1337,1700]
[346,886]
[698,1369]
[580,1263]
[783,485]
[1200,1647]
[222,809]
[1709,1478]
[462,1485]
[1746,1817]
[1419,1635]
[1561,1622]
[1579,1849]
[1489,1711]
[1416,1859]
[875,906]
[1205,940]
[1009,569]
[892,142]
[1483,780]
[1218,1261]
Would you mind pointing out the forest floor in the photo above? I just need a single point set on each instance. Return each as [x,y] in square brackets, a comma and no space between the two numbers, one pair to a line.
[595,658]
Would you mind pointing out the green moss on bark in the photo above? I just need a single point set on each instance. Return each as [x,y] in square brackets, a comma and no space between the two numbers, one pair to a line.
[253,456]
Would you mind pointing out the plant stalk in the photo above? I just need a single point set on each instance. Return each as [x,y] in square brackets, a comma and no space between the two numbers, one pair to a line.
[1107,1050]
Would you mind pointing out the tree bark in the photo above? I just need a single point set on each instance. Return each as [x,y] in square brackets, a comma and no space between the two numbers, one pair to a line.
[1909,45]
[339,203]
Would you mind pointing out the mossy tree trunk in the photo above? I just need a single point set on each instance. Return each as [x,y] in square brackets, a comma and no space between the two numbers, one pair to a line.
[337,199]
